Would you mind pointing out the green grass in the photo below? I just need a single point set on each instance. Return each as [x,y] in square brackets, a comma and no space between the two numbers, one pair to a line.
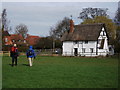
[61,72]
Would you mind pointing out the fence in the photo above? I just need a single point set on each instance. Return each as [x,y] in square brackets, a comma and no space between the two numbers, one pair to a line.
[89,54]
[48,51]
[45,52]
[6,53]
[57,52]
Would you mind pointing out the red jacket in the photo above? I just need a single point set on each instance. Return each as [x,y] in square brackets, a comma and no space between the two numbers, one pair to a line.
[14,52]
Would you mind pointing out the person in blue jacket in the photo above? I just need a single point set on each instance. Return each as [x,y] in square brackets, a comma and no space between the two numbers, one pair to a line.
[30,55]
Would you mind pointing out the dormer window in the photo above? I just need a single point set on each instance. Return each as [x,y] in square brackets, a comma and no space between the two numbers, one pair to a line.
[86,42]
[75,42]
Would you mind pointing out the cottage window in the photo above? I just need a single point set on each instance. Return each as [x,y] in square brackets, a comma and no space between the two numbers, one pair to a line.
[110,48]
[91,50]
[6,39]
[102,44]
[13,40]
[24,41]
[83,50]
[86,42]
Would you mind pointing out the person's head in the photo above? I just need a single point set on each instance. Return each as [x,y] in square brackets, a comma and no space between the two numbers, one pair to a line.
[15,45]
[30,47]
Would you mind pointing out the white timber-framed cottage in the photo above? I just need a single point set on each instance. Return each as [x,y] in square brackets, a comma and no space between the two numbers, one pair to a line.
[85,40]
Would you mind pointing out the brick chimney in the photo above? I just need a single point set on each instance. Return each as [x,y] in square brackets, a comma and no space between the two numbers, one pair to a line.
[71,26]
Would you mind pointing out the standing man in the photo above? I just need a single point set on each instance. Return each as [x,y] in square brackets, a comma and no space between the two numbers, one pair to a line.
[14,54]
[30,55]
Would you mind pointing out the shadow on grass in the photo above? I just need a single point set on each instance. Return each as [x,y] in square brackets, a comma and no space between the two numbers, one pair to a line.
[22,64]
[25,64]
[10,64]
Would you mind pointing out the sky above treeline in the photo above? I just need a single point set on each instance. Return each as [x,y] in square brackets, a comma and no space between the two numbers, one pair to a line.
[41,16]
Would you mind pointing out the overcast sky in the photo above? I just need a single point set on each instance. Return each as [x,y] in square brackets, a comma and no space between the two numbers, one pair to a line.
[40,16]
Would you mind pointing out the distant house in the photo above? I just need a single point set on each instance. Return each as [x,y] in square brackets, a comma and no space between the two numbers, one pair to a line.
[85,40]
[32,40]
[13,38]
[6,38]
[18,39]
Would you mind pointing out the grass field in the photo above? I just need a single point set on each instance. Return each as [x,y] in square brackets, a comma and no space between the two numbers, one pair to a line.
[61,72]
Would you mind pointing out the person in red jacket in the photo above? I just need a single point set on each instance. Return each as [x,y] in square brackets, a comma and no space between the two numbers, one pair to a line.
[14,54]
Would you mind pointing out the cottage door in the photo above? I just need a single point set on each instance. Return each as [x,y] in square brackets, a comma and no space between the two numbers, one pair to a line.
[75,51]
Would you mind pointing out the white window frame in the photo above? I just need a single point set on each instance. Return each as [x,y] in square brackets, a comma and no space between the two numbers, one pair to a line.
[83,50]
[6,39]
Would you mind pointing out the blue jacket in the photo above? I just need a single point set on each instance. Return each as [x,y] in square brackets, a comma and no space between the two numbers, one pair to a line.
[30,56]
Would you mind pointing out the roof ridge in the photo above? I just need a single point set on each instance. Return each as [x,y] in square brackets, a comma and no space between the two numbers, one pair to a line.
[90,24]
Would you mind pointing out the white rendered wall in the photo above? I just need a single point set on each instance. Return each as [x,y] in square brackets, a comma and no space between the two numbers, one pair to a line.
[67,48]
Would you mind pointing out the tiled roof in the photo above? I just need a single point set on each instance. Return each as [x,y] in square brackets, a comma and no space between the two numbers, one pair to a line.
[5,33]
[16,37]
[32,40]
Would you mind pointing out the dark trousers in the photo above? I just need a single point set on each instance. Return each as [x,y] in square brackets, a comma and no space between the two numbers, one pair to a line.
[14,59]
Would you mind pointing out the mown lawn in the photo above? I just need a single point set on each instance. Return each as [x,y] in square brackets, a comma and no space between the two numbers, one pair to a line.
[61,72]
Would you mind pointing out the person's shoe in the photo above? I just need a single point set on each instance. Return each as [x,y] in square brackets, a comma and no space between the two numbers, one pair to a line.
[12,65]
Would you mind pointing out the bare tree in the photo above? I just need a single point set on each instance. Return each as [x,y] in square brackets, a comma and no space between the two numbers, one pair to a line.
[117,17]
[62,26]
[21,29]
[5,21]
[90,13]
[117,22]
